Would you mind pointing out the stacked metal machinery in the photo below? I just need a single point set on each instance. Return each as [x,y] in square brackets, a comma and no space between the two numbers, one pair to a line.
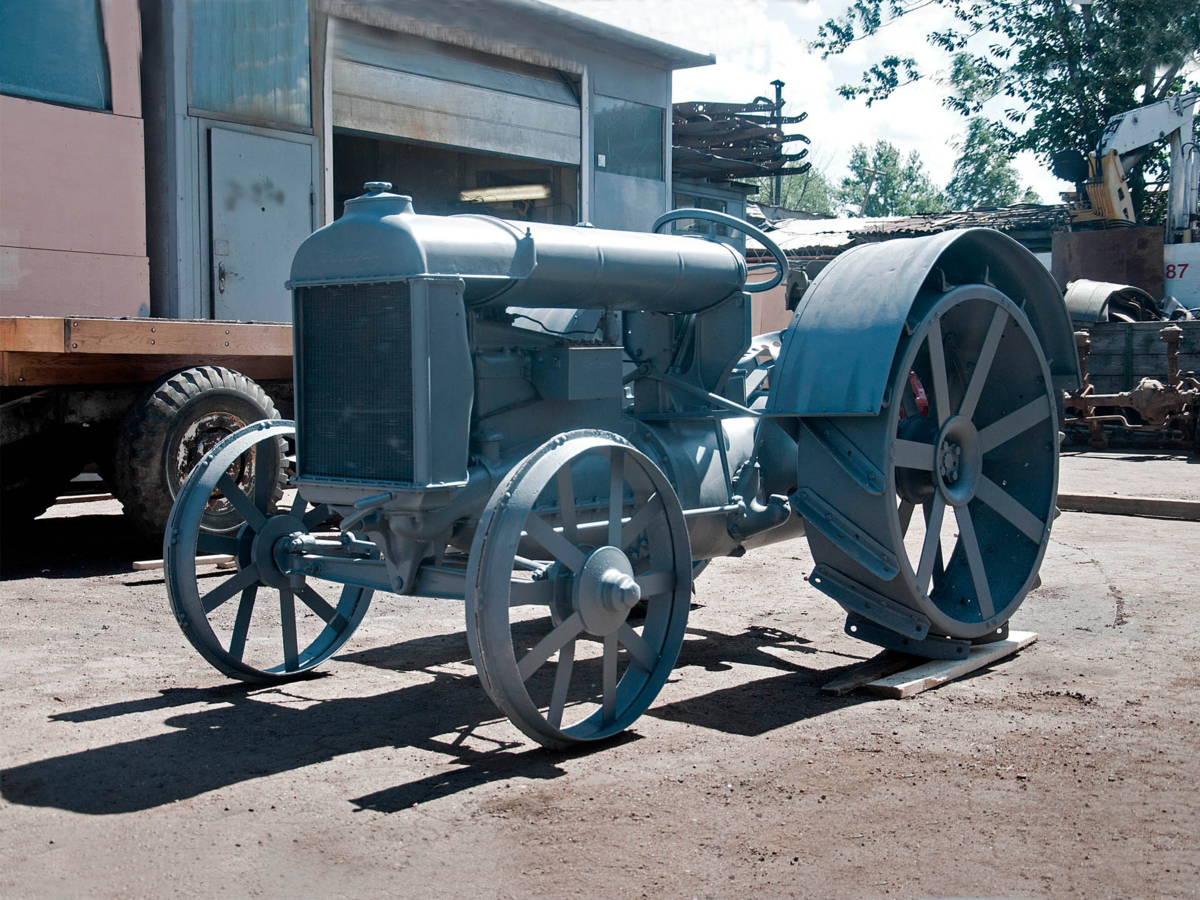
[568,486]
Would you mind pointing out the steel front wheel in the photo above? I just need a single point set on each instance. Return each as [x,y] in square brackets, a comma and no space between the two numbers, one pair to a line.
[575,537]
[256,623]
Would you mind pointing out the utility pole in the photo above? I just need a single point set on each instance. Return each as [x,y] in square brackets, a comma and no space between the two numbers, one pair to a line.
[776,120]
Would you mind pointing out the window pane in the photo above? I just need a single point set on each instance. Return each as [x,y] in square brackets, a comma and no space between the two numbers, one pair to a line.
[629,138]
[54,50]
[697,226]
[250,59]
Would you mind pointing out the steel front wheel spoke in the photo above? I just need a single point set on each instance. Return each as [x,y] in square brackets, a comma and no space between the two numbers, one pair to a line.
[562,684]
[1013,424]
[654,583]
[547,646]
[266,474]
[226,589]
[318,604]
[531,593]
[905,512]
[298,505]
[937,363]
[254,517]
[642,652]
[641,519]
[287,615]
[566,504]
[1010,508]
[966,533]
[609,697]
[554,543]
[222,544]
[315,516]
[983,364]
[616,495]
[241,625]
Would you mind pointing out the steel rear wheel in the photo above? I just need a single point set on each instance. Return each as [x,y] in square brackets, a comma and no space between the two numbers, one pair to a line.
[256,623]
[949,493]
[580,533]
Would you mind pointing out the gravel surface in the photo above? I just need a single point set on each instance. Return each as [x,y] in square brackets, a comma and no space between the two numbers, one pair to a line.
[131,769]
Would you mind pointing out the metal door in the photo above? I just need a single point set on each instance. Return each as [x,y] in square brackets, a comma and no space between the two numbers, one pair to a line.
[261,210]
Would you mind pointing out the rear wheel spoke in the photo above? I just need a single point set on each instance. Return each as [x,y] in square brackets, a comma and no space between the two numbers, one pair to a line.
[932,545]
[983,364]
[913,455]
[1014,423]
[609,696]
[937,363]
[1010,508]
[966,533]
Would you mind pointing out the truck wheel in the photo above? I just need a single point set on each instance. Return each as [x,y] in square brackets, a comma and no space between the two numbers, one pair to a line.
[170,427]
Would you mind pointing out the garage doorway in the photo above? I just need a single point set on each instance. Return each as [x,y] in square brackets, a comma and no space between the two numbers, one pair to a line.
[437,177]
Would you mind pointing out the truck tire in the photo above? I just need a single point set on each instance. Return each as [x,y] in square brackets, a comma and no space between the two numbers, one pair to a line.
[171,426]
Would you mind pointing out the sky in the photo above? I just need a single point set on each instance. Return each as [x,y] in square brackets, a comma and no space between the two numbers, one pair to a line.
[758,41]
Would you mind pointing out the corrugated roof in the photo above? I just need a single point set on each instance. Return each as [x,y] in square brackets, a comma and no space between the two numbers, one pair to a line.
[823,236]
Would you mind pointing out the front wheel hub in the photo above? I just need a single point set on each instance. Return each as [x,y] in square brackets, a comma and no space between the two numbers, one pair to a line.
[605,591]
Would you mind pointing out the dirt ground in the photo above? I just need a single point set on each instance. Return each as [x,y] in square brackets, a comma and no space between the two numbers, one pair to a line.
[131,769]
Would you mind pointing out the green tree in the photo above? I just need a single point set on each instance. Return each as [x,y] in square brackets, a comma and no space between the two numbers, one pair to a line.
[881,183]
[1064,67]
[810,192]
[983,173]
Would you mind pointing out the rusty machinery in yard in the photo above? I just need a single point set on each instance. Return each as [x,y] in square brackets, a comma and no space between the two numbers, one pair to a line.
[568,487]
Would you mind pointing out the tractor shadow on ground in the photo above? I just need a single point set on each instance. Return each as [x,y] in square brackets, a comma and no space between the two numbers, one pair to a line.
[244,732]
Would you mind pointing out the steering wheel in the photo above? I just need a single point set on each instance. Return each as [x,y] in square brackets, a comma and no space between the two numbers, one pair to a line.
[779,262]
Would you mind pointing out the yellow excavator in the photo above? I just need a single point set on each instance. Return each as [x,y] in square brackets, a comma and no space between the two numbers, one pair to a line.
[1127,139]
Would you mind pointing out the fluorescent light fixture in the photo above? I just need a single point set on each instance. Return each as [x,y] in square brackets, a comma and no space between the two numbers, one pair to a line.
[506,194]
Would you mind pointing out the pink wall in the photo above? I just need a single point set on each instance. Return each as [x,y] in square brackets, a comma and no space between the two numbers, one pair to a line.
[73,195]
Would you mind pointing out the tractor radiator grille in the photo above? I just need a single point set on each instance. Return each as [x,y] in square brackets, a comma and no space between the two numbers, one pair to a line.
[354,390]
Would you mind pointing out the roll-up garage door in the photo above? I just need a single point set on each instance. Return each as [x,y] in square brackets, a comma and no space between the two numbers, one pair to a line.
[406,87]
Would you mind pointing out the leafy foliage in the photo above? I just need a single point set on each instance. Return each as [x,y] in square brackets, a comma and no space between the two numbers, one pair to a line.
[810,192]
[983,172]
[1065,69]
[882,183]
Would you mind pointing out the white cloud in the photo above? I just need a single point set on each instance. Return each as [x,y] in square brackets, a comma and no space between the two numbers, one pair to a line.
[757,41]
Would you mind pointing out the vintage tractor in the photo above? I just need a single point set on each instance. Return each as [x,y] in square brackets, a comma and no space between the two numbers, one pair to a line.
[560,425]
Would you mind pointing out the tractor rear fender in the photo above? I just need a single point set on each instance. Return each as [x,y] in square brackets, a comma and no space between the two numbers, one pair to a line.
[838,351]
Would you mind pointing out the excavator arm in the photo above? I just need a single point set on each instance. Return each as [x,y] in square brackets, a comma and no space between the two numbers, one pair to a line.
[1127,139]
